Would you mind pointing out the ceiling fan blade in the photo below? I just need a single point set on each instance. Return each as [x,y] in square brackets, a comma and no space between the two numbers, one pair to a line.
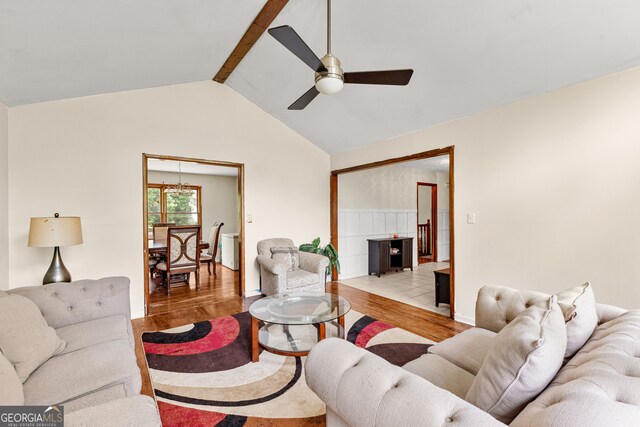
[292,41]
[305,99]
[387,77]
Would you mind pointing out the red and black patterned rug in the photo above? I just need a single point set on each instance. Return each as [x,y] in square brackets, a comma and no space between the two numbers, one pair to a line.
[202,373]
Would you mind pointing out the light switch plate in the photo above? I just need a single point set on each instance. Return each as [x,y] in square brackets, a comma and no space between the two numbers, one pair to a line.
[249,218]
[471,218]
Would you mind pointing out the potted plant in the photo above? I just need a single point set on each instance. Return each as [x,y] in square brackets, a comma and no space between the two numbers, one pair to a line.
[329,251]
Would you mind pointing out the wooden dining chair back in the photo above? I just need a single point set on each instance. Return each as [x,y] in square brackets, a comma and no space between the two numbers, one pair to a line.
[183,253]
[212,251]
[160,230]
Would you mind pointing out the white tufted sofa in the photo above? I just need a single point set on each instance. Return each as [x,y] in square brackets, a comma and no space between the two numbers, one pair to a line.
[599,386]
[96,377]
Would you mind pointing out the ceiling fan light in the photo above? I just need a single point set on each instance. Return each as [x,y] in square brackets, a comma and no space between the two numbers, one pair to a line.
[329,85]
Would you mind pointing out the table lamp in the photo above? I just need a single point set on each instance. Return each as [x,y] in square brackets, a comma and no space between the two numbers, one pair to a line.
[53,232]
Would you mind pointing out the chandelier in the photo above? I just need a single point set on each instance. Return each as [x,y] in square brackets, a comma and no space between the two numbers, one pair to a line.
[180,187]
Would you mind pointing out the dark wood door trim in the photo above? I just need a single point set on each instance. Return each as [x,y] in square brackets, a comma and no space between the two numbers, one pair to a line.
[334,218]
[417,156]
[241,202]
[265,17]
[434,214]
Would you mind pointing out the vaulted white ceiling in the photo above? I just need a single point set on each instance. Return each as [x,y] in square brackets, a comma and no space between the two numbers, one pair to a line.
[69,48]
[468,55]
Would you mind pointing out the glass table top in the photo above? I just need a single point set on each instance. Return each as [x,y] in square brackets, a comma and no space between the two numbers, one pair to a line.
[300,308]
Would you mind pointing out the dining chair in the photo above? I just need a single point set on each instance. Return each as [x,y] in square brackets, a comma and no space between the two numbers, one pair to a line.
[183,255]
[159,234]
[210,257]
[160,230]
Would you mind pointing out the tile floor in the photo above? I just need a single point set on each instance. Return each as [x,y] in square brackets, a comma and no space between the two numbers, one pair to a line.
[415,287]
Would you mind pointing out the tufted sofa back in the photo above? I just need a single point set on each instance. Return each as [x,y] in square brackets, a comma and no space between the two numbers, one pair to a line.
[497,306]
[64,304]
[599,386]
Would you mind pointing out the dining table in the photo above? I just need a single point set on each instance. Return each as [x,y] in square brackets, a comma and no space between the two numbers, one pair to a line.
[157,247]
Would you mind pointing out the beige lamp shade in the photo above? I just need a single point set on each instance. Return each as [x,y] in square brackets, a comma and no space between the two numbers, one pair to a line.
[47,232]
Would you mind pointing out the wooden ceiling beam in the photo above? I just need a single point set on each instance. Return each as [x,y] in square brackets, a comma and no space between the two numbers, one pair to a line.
[270,10]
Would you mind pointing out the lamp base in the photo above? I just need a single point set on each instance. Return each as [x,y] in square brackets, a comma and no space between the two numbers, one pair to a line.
[57,272]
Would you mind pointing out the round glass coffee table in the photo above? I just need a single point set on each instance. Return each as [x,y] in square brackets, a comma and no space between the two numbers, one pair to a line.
[293,322]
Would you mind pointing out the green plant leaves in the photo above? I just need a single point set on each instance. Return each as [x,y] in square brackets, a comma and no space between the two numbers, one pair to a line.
[329,251]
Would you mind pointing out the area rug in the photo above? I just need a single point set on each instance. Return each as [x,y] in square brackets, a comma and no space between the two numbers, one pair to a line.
[202,373]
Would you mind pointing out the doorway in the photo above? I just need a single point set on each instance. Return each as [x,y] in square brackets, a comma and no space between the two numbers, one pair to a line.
[206,196]
[427,202]
[371,206]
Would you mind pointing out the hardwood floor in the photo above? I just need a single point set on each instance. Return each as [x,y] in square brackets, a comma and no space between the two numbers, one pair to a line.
[220,300]
[212,289]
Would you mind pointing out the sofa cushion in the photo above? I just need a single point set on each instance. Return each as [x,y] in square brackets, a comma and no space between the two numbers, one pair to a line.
[300,278]
[68,376]
[579,307]
[466,350]
[599,385]
[25,338]
[288,256]
[117,391]
[139,411]
[523,359]
[86,334]
[11,392]
[442,373]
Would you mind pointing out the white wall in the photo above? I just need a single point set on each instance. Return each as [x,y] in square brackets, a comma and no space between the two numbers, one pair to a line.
[424,203]
[554,182]
[355,226]
[219,196]
[84,157]
[389,187]
[4,194]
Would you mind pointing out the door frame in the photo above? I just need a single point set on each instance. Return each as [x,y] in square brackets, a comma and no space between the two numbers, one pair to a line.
[145,239]
[434,215]
[333,189]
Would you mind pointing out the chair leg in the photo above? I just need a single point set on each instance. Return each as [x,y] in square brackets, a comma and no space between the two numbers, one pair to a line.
[197,279]
[209,268]
[213,261]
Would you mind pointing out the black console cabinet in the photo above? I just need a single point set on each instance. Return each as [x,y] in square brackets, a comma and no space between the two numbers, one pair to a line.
[390,254]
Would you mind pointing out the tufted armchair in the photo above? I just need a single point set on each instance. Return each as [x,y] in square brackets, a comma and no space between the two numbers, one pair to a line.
[274,277]
[597,386]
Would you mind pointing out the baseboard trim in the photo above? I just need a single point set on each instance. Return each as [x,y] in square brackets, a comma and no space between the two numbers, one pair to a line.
[137,314]
[252,293]
[469,320]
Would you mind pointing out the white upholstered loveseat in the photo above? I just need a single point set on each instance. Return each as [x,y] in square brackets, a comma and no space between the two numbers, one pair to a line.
[95,377]
[598,386]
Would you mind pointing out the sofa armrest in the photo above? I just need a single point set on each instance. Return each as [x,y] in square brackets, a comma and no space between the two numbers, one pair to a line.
[314,263]
[608,312]
[363,389]
[65,304]
[496,306]
[273,275]
[271,265]
[139,411]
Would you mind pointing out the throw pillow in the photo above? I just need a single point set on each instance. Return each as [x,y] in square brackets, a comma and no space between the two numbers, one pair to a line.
[11,392]
[523,359]
[579,308]
[286,255]
[26,340]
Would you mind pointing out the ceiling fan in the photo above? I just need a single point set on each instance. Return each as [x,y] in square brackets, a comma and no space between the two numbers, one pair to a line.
[330,77]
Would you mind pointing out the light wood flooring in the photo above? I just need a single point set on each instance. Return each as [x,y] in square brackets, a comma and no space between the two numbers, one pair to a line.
[219,298]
